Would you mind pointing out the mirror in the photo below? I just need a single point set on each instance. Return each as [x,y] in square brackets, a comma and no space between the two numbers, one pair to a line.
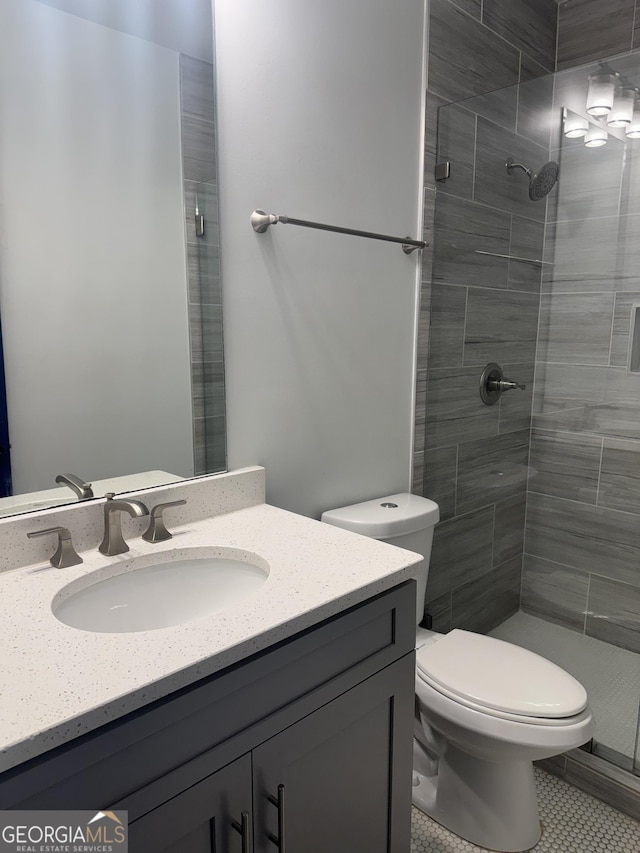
[111,364]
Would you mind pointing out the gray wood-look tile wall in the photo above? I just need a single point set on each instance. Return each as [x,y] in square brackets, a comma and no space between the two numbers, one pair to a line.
[591,29]
[203,263]
[470,458]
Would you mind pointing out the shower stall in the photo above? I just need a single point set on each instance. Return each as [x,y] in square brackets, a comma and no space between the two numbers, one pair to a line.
[536,267]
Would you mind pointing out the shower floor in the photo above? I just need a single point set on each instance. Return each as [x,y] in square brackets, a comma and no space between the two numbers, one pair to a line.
[610,675]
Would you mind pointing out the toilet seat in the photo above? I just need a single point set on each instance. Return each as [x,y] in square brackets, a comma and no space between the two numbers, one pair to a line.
[500,679]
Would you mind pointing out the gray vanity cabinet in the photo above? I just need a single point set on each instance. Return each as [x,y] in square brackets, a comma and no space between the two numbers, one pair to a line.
[311,738]
[323,785]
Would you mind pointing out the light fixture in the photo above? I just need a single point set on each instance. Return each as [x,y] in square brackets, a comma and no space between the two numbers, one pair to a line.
[575,126]
[600,94]
[622,110]
[595,137]
[633,128]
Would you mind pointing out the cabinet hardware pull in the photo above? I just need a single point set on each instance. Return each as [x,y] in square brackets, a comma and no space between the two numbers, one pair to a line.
[279,804]
[244,829]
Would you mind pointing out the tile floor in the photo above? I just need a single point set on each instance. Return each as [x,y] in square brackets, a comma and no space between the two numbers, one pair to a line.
[573,822]
[610,675]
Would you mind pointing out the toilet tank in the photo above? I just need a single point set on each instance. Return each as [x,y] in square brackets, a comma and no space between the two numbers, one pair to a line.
[403,519]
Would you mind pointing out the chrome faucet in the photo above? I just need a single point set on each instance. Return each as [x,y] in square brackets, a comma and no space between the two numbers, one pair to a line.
[83,490]
[113,542]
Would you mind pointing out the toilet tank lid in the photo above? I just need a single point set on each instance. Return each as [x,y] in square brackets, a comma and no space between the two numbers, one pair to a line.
[387,517]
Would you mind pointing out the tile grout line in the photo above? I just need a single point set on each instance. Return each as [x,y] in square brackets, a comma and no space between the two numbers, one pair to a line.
[493,538]
[464,327]
[597,435]
[475,156]
[612,328]
[586,611]
[520,81]
[605,508]
[608,292]
[510,246]
[555,67]
[600,471]
[455,483]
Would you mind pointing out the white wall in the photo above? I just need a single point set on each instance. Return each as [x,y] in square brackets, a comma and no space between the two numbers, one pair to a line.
[182,25]
[319,108]
[92,255]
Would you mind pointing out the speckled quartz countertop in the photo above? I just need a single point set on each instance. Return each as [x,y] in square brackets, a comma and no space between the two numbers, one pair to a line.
[58,682]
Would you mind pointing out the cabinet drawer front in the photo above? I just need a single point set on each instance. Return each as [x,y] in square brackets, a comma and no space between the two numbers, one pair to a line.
[221,717]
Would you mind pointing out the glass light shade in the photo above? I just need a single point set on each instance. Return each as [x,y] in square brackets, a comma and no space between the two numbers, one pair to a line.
[600,94]
[633,128]
[596,137]
[575,126]
[622,110]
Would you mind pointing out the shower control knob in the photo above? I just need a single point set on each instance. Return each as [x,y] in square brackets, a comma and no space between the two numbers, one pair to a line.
[493,384]
[506,385]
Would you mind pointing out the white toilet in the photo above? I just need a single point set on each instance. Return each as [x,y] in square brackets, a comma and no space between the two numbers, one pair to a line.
[485,709]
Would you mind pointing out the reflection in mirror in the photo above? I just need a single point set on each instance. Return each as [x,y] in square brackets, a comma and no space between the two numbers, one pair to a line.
[111,348]
[591,132]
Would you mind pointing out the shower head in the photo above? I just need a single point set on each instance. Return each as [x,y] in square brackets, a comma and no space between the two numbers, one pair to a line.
[541,182]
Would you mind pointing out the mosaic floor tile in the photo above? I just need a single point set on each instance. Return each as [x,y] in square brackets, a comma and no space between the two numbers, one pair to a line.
[573,822]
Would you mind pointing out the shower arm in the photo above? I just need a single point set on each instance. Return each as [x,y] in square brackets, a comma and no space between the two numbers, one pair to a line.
[511,166]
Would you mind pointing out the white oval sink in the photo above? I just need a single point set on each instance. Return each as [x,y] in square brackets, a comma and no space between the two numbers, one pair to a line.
[160,591]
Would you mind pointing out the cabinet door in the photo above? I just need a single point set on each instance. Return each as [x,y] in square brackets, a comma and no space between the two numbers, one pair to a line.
[339,781]
[202,818]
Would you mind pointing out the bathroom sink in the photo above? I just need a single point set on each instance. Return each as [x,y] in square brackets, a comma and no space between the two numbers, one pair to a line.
[150,592]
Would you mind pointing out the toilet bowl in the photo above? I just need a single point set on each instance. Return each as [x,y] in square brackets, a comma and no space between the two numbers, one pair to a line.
[488,709]
[485,709]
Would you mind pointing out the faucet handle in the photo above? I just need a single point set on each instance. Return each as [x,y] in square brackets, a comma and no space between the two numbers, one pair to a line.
[65,554]
[493,384]
[157,531]
[507,385]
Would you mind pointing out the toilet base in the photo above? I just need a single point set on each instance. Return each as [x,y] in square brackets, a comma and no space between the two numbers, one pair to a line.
[492,805]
